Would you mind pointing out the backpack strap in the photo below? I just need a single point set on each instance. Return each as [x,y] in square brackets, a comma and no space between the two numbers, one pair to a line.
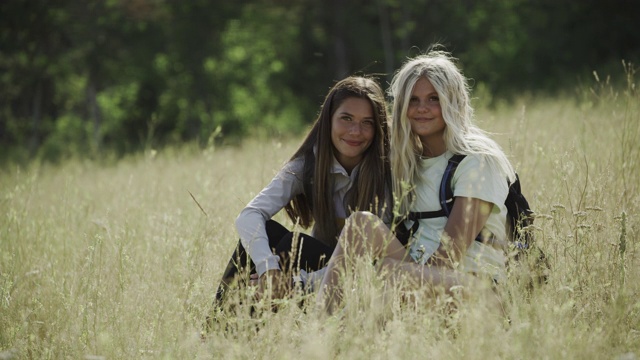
[446,201]
[446,192]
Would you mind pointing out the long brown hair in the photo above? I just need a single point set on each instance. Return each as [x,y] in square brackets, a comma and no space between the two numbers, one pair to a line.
[373,180]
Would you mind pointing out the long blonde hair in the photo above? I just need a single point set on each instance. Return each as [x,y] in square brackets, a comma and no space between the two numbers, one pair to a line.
[461,135]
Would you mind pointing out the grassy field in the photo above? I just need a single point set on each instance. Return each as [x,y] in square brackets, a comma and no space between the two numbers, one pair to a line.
[118,261]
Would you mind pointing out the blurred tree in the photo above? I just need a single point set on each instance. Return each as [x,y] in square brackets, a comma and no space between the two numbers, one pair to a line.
[258,62]
[87,76]
[31,56]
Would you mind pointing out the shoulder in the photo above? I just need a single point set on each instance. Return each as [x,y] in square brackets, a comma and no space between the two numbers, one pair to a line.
[292,170]
[479,164]
[476,174]
[295,165]
[472,160]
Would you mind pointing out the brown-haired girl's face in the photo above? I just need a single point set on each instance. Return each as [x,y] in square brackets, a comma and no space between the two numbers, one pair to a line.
[352,131]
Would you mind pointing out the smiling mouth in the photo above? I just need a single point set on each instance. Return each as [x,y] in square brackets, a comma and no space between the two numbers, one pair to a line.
[353,143]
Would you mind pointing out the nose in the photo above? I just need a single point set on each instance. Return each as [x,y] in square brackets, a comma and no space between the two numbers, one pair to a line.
[355,128]
[423,106]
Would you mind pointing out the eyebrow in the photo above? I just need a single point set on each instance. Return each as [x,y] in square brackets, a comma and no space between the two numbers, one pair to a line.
[350,114]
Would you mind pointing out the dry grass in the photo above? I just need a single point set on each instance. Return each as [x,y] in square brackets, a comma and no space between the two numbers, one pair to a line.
[119,262]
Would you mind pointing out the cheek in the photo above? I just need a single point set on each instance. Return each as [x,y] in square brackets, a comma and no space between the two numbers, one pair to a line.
[334,138]
[335,130]
[370,134]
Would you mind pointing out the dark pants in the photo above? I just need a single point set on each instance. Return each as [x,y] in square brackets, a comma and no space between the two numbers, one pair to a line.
[310,255]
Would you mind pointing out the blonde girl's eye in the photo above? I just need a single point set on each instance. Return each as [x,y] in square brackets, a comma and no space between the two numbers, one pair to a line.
[434,99]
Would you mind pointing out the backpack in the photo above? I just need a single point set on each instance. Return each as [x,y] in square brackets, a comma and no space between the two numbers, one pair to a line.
[519,219]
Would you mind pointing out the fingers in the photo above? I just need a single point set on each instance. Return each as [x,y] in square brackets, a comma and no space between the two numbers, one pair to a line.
[276,282]
[254,280]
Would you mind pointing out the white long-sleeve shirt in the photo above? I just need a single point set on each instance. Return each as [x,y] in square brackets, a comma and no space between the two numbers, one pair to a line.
[285,185]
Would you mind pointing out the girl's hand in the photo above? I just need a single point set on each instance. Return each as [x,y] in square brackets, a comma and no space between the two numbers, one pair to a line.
[253,279]
[272,282]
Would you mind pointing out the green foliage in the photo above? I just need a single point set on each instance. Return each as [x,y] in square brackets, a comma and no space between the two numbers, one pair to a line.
[253,68]
[68,139]
[148,74]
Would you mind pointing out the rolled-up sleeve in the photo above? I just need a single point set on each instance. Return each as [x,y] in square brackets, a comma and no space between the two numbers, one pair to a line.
[250,224]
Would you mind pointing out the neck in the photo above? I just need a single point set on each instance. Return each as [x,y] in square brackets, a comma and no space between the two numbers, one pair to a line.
[432,151]
[433,146]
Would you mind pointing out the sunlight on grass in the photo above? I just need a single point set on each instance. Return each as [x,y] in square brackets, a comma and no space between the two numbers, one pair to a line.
[119,261]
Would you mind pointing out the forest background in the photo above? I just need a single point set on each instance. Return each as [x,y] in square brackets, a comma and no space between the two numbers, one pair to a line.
[111,77]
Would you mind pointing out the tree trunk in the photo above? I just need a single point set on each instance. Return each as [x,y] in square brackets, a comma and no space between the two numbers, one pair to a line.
[339,43]
[36,119]
[385,32]
[95,114]
[406,17]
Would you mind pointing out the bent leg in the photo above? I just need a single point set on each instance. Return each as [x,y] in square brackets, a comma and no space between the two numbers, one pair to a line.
[363,234]
[366,234]
[432,281]
[302,252]
[275,232]
[240,260]
[237,263]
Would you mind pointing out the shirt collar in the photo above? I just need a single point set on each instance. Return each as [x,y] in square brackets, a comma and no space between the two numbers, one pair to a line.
[336,167]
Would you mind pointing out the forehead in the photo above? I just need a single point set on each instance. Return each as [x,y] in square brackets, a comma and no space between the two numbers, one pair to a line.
[355,105]
[423,86]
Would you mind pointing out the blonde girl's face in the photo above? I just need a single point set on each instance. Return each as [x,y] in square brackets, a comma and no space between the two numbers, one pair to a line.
[425,115]
[352,131]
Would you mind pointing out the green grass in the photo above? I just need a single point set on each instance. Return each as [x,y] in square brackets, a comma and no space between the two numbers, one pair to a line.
[119,262]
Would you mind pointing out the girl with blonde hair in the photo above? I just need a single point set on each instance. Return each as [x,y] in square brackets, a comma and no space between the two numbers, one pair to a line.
[432,120]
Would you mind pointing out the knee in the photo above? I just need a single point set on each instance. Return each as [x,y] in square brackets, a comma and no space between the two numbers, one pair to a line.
[353,231]
[358,225]
[361,219]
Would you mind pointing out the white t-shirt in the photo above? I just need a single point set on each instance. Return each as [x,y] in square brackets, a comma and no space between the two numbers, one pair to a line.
[285,185]
[474,179]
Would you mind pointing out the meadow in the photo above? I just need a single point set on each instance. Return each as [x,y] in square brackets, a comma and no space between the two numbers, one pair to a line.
[121,259]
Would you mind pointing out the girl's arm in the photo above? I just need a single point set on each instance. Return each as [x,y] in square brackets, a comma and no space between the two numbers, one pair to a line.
[250,224]
[467,218]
